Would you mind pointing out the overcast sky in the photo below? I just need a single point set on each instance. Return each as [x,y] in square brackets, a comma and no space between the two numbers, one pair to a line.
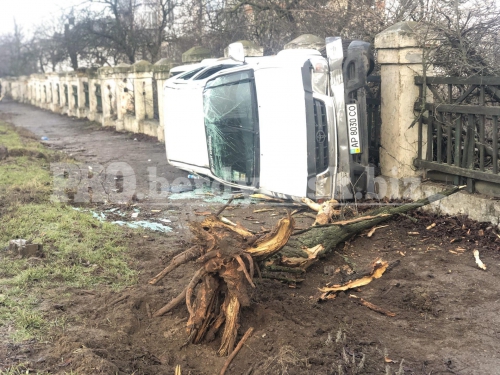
[29,13]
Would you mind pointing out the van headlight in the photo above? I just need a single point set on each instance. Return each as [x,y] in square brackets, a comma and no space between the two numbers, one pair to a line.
[319,75]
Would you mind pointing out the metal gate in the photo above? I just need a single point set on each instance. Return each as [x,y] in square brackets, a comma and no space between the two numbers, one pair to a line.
[461,136]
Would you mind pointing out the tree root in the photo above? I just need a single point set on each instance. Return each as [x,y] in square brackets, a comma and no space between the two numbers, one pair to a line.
[184,257]
[245,337]
[172,304]
[232,313]
[189,289]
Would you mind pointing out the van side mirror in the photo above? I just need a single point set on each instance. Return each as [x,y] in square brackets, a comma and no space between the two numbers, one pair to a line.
[358,64]
[236,52]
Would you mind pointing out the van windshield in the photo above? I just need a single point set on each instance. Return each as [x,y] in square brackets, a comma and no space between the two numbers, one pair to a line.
[231,126]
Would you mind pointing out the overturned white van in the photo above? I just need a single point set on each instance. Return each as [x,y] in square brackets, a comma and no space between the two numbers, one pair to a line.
[285,125]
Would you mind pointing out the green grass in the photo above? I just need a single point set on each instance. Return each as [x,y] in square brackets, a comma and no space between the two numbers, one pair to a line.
[10,138]
[78,250]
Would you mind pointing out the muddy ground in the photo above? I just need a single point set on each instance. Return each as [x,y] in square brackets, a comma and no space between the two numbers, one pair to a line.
[446,308]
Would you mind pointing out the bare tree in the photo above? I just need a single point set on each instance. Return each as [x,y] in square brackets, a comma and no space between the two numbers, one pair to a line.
[464,33]
[131,28]
[16,55]
[466,36]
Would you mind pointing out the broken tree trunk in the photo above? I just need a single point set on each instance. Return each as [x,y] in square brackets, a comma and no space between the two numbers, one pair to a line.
[297,252]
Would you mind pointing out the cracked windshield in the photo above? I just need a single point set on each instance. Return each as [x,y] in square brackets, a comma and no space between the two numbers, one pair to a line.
[232,127]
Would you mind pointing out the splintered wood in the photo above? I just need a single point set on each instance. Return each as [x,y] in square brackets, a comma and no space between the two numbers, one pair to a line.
[479,262]
[378,267]
[325,211]
[272,242]
[303,263]
[372,231]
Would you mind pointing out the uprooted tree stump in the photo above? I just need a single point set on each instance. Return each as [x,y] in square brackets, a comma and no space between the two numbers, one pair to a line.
[229,255]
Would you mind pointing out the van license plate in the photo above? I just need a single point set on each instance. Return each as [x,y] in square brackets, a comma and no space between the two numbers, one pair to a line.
[353,128]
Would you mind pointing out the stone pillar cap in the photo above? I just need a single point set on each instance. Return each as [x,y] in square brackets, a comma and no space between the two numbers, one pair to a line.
[142,66]
[306,41]
[399,35]
[196,54]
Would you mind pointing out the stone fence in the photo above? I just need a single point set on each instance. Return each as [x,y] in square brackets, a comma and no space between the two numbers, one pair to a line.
[126,97]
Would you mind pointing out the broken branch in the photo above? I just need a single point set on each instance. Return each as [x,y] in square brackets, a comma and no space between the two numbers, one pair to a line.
[373,307]
[228,203]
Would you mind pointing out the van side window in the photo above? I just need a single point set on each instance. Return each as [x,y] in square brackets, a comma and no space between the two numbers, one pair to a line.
[188,75]
[211,71]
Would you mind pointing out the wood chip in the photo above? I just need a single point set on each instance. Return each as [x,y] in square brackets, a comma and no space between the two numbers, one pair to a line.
[413,233]
[479,263]
[372,231]
[263,210]
[228,222]
[431,226]
[204,213]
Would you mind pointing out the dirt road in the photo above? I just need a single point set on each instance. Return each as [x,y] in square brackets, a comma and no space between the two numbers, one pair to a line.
[446,307]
